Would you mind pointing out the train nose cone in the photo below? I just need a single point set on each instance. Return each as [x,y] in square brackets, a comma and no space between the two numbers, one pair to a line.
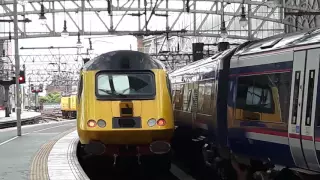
[95,147]
[160,147]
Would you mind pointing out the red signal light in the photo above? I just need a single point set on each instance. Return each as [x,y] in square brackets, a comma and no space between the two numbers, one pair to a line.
[161,122]
[22,77]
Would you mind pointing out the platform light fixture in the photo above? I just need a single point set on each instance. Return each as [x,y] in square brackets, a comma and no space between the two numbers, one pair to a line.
[64,33]
[272,3]
[42,17]
[22,2]
[243,20]
[223,30]
[79,43]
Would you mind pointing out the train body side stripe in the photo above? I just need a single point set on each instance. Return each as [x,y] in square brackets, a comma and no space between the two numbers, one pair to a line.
[276,136]
[268,138]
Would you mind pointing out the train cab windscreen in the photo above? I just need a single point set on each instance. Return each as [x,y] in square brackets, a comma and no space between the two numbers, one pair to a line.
[127,85]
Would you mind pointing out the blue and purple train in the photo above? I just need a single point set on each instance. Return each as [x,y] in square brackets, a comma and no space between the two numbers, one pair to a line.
[256,105]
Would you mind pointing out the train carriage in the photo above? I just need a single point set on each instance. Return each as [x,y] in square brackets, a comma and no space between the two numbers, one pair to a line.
[257,103]
[125,107]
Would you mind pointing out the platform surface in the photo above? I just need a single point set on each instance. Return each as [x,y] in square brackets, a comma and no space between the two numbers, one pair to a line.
[24,115]
[18,153]
[62,161]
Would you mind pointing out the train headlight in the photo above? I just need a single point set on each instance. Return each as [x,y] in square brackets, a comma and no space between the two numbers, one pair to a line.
[91,123]
[101,123]
[161,122]
[152,122]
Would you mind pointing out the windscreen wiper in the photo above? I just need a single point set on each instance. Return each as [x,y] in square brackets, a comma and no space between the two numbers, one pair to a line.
[113,92]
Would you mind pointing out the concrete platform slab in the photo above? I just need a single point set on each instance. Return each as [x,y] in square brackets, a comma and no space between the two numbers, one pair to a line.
[63,162]
[25,115]
[18,154]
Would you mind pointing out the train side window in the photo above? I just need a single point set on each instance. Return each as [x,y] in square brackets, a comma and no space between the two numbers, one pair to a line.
[254,94]
[265,94]
[258,97]
[282,82]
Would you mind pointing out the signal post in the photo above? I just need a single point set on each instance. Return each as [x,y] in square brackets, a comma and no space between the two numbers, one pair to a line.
[36,92]
[6,85]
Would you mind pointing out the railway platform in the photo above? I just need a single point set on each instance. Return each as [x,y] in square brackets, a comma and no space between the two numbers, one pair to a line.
[25,116]
[22,158]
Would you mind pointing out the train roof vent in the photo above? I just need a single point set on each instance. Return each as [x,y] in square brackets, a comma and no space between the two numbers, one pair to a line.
[270,44]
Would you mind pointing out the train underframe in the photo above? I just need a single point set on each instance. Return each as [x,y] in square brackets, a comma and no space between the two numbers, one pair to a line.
[69,114]
[204,155]
[156,155]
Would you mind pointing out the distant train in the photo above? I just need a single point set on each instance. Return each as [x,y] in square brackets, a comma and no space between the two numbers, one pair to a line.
[124,108]
[69,106]
[256,105]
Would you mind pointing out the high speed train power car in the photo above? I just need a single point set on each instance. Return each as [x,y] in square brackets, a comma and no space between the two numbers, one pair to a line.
[68,106]
[125,108]
[256,105]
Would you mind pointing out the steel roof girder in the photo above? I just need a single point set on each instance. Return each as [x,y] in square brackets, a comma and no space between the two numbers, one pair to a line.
[159,10]
[227,1]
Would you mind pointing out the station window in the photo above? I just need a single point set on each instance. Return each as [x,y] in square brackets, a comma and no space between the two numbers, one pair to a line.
[267,94]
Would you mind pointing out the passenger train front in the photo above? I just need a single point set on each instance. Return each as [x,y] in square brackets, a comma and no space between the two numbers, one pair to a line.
[124,108]
[257,105]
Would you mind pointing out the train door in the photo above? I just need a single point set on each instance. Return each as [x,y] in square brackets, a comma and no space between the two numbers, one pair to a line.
[302,109]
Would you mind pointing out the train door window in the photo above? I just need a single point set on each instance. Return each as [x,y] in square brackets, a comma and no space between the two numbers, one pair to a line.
[296,90]
[310,97]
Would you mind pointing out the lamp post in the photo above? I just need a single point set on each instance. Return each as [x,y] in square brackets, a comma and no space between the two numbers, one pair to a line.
[17,66]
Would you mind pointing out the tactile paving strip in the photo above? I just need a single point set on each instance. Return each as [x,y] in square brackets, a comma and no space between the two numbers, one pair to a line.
[63,162]
[39,166]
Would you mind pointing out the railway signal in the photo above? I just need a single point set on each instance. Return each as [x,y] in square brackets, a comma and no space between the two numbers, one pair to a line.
[22,78]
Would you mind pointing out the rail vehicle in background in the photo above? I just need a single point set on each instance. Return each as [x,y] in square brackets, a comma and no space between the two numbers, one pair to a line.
[257,105]
[68,106]
[125,108]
